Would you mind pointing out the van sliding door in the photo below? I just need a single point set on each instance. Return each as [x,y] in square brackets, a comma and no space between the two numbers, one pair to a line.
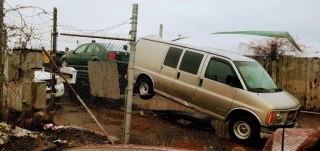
[187,77]
[168,71]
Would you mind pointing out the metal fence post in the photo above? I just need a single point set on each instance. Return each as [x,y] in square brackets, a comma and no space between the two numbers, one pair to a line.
[161,30]
[130,72]
[53,54]
[1,57]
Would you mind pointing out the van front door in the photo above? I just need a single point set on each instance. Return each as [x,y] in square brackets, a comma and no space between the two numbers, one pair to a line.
[217,87]
[187,78]
[168,71]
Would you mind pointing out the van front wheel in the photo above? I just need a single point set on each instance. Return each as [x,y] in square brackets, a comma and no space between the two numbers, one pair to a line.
[243,129]
[145,88]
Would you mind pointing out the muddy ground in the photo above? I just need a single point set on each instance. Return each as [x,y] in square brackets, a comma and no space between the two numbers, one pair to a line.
[157,128]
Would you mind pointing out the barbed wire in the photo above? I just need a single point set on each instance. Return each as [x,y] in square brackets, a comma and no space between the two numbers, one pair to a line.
[27,24]
[89,31]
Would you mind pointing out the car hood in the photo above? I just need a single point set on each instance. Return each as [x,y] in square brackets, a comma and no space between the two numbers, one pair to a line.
[280,100]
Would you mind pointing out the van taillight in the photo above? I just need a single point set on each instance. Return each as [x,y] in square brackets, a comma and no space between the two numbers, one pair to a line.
[271,117]
[112,56]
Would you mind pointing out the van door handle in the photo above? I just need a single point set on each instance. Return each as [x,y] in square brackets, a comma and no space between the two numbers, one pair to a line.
[178,75]
[200,82]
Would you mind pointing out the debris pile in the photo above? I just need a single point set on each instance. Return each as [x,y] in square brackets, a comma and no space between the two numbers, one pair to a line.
[7,131]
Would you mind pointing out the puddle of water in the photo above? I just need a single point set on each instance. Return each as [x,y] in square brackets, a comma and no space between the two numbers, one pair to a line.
[188,145]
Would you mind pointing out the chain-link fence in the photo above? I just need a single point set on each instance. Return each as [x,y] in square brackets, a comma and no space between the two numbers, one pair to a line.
[98,73]
[89,98]
[56,81]
[25,91]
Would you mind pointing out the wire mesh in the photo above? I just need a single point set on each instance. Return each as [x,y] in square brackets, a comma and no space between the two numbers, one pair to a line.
[25,90]
[101,70]
[100,66]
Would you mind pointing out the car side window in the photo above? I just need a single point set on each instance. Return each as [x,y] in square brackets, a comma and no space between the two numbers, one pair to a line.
[172,57]
[190,62]
[81,49]
[93,48]
[222,71]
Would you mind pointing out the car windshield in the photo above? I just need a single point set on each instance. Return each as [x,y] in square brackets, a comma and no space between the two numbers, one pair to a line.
[256,78]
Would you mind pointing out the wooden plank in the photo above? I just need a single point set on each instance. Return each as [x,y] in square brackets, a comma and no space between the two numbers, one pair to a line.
[317,83]
[309,77]
[299,79]
[104,79]
[289,82]
[304,83]
[313,83]
[296,78]
[11,66]
[284,73]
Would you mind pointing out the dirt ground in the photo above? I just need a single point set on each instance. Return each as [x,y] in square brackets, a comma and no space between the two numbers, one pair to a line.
[156,128]
[174,129]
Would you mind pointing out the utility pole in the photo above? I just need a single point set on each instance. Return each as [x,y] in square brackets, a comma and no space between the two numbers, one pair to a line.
[133,33]
[2,44]
[53,55]
[161,30]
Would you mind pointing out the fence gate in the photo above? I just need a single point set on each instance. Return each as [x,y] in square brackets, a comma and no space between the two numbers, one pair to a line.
[100,63]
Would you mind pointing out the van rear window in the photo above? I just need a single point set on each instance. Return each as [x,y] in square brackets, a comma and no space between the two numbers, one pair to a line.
[172,57]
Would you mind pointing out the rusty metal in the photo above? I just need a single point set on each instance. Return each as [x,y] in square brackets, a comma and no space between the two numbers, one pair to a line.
[91,36]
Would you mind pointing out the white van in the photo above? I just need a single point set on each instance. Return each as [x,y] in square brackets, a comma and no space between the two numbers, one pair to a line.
[231,88]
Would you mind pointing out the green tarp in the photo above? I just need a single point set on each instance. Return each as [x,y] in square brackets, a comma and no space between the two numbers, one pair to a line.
[278,34]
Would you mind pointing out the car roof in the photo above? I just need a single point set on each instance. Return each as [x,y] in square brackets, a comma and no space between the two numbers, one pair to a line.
[220,52]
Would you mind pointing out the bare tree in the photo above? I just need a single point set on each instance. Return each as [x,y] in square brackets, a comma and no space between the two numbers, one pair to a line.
[264,46]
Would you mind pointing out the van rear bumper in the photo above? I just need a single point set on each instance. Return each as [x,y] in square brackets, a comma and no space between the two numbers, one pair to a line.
[266,132]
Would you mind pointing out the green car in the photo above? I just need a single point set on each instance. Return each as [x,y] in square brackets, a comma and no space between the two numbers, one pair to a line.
[102,52]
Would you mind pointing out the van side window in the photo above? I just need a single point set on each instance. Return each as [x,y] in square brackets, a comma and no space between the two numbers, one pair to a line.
[222,72]
[172,57]
[190,62]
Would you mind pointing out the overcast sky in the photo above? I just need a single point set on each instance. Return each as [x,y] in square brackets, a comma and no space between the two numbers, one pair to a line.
[193,18]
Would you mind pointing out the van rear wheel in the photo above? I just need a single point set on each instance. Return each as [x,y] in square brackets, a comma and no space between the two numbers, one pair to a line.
[145,88]
[243,129]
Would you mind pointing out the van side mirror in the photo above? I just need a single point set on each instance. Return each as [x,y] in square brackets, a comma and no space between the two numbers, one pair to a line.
[125,47]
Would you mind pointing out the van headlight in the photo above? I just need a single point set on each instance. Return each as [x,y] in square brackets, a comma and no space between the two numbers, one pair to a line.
[276,117]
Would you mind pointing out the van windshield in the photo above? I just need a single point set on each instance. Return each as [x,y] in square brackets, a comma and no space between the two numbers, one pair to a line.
[256,78]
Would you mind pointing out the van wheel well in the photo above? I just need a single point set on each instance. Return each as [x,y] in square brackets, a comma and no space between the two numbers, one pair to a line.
[144,76]
[145,87]
[243,126]
[242,113]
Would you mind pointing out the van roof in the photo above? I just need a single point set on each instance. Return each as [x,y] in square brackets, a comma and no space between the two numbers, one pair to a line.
[220,52]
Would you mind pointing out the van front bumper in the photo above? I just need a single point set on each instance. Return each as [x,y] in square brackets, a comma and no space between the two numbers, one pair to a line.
[266,132]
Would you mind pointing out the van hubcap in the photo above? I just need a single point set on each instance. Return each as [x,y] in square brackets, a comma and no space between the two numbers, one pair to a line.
[144,88]
[242,129]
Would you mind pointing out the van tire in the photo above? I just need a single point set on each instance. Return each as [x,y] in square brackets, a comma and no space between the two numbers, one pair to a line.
[145,88]
[243,129]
